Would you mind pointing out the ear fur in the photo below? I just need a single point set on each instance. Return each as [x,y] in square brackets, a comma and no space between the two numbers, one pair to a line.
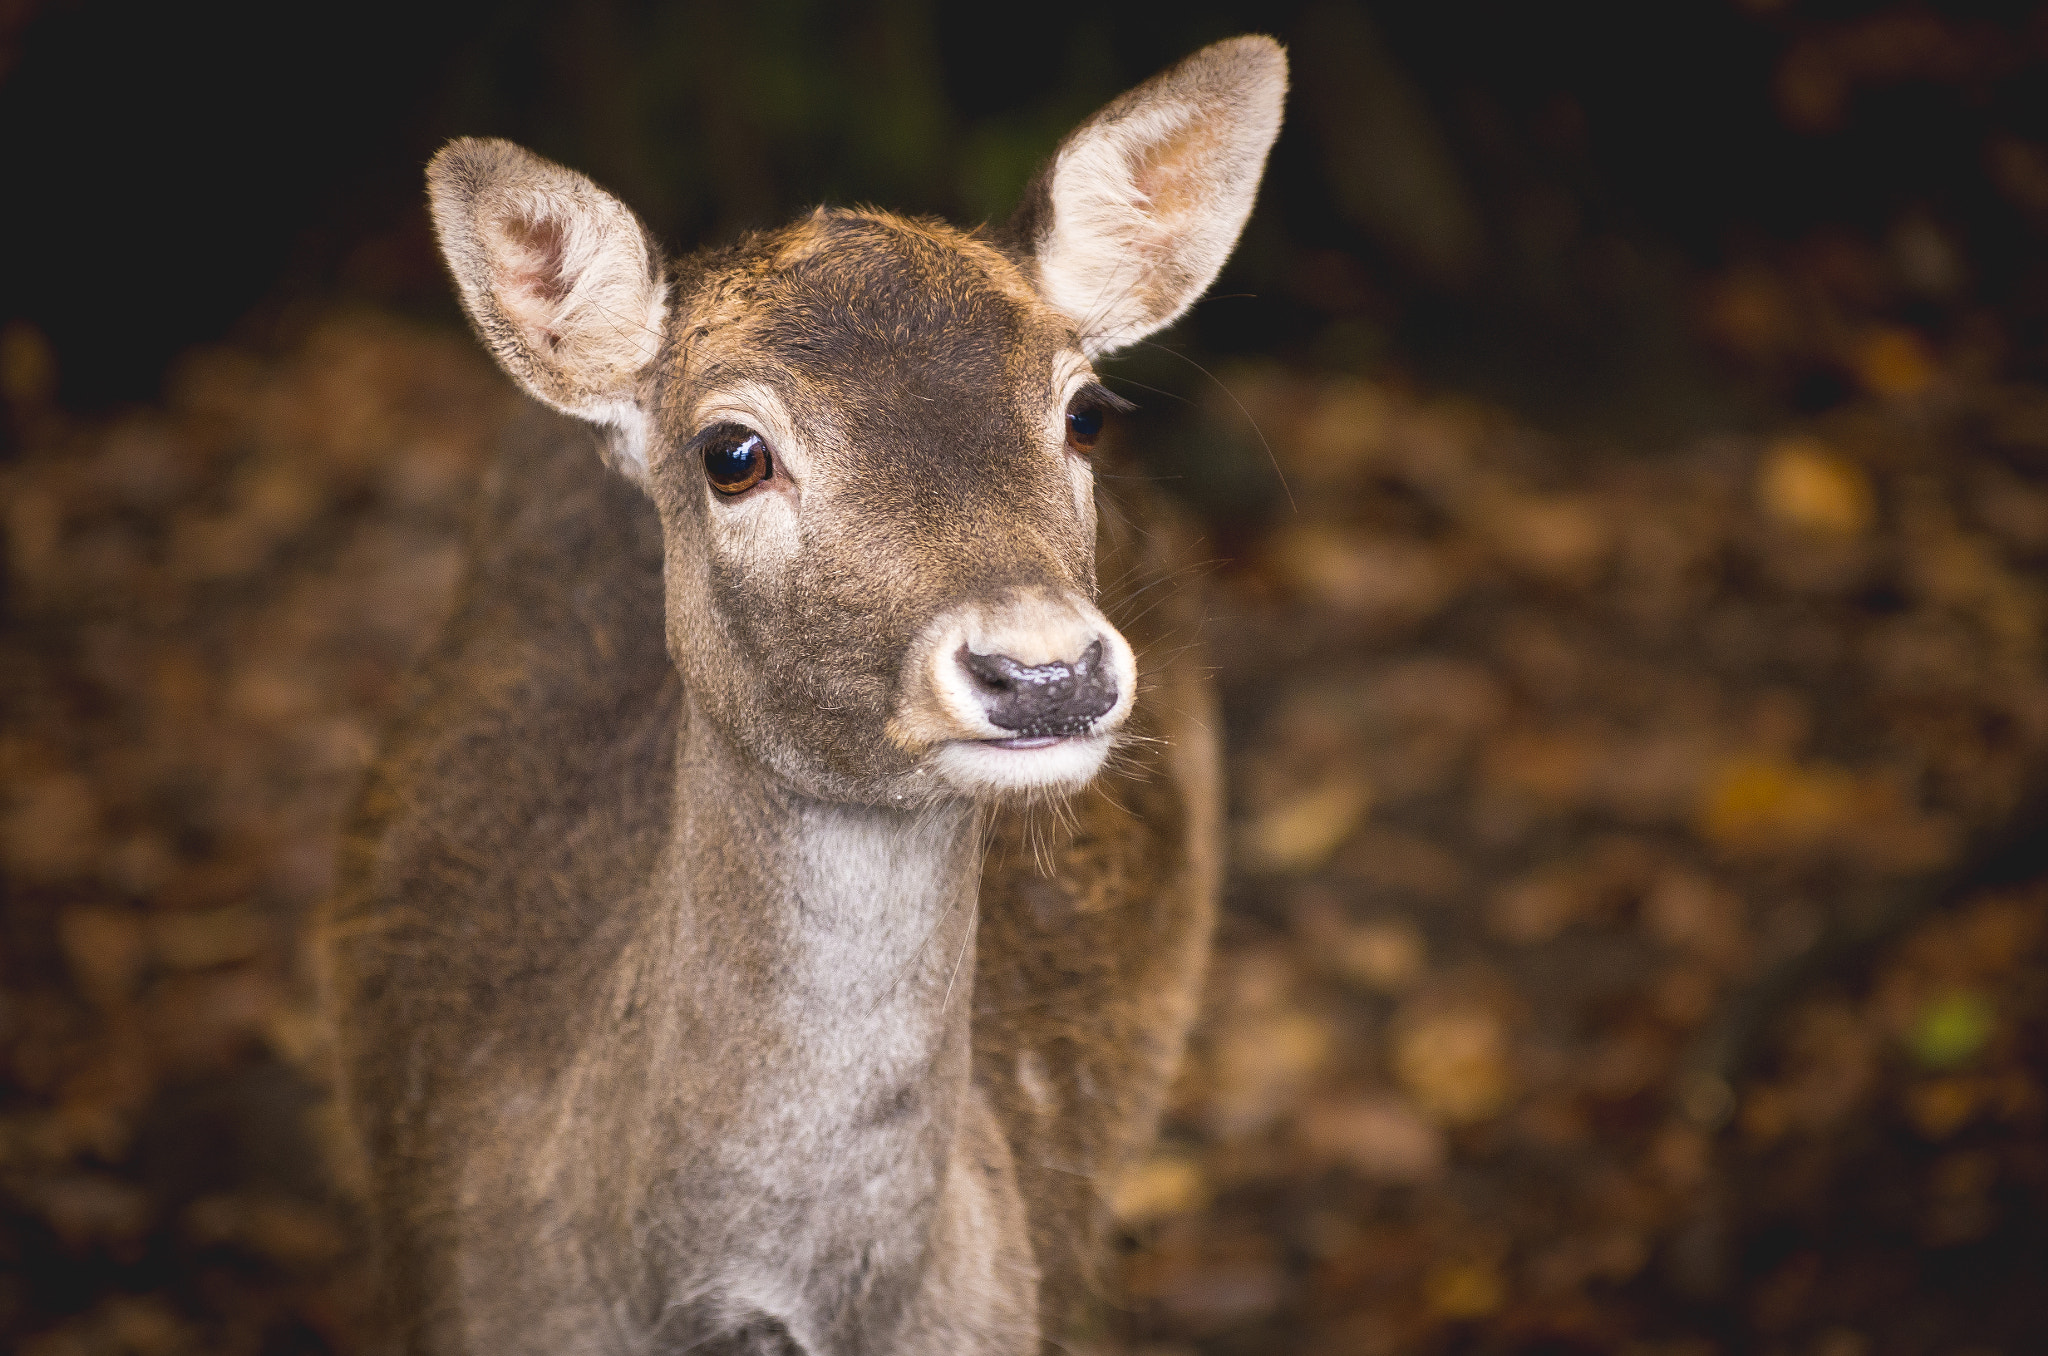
[559,279]
[1142,203]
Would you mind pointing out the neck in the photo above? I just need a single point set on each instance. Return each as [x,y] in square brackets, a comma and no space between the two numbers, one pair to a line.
[775,1115]
[814,962]
[824,917]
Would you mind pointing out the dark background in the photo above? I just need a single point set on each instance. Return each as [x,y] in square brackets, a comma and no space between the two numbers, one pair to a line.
[1500,192]
[1636,689]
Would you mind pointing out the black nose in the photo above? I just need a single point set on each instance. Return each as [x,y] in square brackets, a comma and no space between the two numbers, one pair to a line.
[1042,699]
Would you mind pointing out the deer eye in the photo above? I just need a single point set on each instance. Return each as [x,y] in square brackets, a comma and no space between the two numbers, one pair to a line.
[1086,413]
[1084,426]
[736,459]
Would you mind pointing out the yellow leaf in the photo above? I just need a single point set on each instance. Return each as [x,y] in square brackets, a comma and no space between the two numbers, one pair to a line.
[1768,802]
[1895,362]
[1463,1290]
[1160,1187]
[1455,1064]
[1809,485]
[1301,832]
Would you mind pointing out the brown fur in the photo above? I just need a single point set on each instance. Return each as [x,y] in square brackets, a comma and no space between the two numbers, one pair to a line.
[681,1005]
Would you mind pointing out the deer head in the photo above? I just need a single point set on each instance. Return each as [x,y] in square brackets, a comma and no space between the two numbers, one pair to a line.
[868,437]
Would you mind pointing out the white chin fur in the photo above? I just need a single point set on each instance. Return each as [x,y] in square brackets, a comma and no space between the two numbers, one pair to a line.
[984,770]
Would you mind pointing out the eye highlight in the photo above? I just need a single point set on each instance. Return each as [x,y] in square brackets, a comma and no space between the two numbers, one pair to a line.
[736,458]
[1084,426]
[1087,412]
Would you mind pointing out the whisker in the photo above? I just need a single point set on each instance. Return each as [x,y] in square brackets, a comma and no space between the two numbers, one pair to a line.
[1282,475]
[966,941]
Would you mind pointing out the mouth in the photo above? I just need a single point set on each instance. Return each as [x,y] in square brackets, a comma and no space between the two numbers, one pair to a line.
[1025,741]
[1049,762]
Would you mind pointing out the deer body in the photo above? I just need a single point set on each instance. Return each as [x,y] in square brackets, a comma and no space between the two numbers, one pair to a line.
[698,984]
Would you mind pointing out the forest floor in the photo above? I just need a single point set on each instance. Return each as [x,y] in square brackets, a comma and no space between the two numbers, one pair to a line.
[1633,943]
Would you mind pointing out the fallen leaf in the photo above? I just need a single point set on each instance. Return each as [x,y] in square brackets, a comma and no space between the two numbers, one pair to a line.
[52,829]
[1537,908]
[1453,1061]
[1894,361]
[1261,1066]
[1938,1107]
[1386,955]
[1809,485]
[1769,803]
[1689,912]
[1951,1030]
[1381,1137]
[199,941]
[1301,832]
[91,1207]
[292,1232]
[106,948]
[1383,580]
[1344,427]
[1223,1292]
[1562,539]
[1161,1186]
[1463,1291]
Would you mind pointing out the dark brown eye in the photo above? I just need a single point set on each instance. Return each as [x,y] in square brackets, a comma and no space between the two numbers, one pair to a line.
[736,459]
[1087,412]
[1084,426]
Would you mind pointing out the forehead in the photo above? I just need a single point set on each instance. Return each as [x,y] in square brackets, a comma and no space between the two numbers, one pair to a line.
[865,306]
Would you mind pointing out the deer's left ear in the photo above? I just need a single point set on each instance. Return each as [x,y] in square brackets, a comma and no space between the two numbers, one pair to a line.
[1141,205]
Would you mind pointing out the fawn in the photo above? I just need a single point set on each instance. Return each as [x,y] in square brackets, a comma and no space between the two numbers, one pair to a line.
[697,982]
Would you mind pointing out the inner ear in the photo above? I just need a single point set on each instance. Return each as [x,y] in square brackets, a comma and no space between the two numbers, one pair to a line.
[1167,176]
[536,282]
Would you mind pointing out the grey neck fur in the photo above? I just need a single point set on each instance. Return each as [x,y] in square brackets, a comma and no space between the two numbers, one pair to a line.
[800,998]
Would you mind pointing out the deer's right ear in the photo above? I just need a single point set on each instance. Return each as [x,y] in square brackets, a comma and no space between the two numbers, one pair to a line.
[558,277]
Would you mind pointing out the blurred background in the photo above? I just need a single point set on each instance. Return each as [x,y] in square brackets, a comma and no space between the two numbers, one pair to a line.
[1624,459]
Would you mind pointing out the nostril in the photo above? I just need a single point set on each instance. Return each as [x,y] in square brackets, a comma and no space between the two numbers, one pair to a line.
[993,672]
[1059,698]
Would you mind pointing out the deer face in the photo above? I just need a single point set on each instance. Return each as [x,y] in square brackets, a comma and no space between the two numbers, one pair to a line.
[871,463]
[868,437]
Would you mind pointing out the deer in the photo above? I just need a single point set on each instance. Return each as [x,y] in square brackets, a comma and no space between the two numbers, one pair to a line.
[783,895]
